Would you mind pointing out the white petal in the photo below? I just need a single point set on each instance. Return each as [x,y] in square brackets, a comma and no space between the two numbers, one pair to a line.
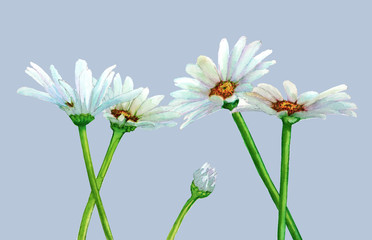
[86,86]
[265,93]
[191,84]
[265,65]
[162,116]
[80,66]
[137,102]
[272,90]
[254,62]
[103,83]
[209,69]
[39,75]
[185,94]
[306,97]
[305,115]
[217,100]
[149,104]
[246,87]
[190,106]
[235,55]
[291,90]
[201,112]
[30,92]
[118,99]
[247,55]
[128,85]
[223,58]
[117,86]
[195,71]
[231,99]
[253,76]
[327,93]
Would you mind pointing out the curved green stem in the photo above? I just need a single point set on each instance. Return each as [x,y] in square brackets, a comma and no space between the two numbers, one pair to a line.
[115,139]
[261,169]
[284,171]
[92,181]
[180,217]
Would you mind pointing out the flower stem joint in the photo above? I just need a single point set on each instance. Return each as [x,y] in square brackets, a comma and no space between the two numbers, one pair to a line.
[122,128]
[230,105]
[81,119]
[195,192]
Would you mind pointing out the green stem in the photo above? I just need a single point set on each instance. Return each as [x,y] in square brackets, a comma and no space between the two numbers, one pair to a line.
[92,181]
[261,169]
[284,171]
[115,139]
[180,217]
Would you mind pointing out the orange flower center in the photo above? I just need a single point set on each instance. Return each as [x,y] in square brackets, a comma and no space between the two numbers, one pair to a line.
[70,104]
[117,113]
[289,106]
[223,89]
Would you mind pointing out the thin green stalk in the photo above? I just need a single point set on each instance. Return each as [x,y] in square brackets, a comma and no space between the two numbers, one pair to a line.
[92,181]
[115,139]
[261,169]
[286,139]
[180,217]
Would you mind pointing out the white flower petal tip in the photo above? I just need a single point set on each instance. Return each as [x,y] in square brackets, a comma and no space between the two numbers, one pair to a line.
[211,86]
[132,107]
[268,99]
[205,178]
[84,100]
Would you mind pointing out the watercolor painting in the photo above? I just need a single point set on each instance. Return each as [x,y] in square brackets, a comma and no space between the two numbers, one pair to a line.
[186,120]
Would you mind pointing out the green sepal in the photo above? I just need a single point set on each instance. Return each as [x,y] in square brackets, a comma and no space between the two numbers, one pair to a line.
[195,192]
[81,119]
[124,128]
[290,120]
[230,105]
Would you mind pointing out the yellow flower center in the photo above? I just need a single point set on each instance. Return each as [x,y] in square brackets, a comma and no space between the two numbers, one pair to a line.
[117,113]
[223,89]
[289,106]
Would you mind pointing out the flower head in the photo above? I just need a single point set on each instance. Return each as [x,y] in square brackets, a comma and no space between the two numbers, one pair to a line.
[86,99]
[205,178]
[141,111]
[212,88]
[268,99]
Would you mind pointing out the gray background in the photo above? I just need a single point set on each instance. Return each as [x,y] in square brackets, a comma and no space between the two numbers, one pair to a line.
[317,44]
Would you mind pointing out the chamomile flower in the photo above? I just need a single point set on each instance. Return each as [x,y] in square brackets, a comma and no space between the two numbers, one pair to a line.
[268,99]
[212,87]
[85,100]
[141,111]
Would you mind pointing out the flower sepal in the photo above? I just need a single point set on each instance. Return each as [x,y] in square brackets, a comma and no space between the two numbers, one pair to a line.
[290,120]
[122,128]
[81,119]
[230,105]
[197,193]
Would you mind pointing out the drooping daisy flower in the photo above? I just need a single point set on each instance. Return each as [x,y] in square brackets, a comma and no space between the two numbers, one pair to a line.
[86,99]
[205,178]
[212,88]
[141,111]
[268,99]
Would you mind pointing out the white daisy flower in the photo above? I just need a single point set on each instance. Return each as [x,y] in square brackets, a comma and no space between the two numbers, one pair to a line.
[141,111]
[211,88]
[88,96]
[205,178]
[268,99]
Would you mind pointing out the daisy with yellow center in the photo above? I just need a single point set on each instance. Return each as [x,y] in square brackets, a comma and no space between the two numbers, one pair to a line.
[268,99]
[141,111]
[212,88]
